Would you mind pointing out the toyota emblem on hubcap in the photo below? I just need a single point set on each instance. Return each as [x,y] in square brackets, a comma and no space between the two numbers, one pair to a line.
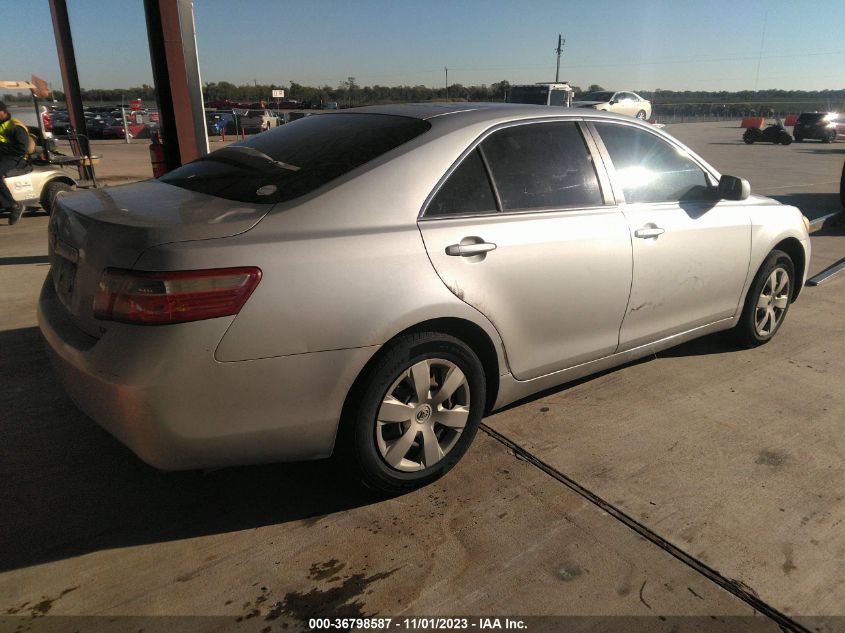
[423,413]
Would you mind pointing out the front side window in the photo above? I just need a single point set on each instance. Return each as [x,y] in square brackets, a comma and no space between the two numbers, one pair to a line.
[651,169]
[542,166]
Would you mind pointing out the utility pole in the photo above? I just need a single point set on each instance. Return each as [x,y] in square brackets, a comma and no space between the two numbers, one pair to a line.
[559,50]
[447,82]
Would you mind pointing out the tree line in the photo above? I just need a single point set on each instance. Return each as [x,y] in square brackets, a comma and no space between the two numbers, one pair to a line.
[349,93]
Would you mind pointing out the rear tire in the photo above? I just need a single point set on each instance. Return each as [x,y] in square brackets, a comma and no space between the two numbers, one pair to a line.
[767,301]
[406,431]
[49,193]
[748,137]
[798,139]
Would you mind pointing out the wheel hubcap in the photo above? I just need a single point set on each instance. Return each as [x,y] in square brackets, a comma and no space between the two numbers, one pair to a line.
[422,415]
[772,303]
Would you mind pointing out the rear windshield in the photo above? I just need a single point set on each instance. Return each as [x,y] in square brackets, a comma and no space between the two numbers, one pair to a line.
[536,95]
[597,96]
[811,117]
[292,160]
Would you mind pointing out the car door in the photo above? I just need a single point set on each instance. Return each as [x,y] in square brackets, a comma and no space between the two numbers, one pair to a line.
[521,229]
[691,251]
[629,104]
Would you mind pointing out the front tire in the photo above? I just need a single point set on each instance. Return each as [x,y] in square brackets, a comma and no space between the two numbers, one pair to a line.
[420,408]
[49,193]
[767,301]
[641,115]
[748,137]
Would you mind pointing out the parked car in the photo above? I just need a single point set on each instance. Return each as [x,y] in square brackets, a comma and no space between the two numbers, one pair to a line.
[371,282]
[114,130]
[628,103]
[215,121]
[815,125]
[97,123]
[839,125]
[60,123]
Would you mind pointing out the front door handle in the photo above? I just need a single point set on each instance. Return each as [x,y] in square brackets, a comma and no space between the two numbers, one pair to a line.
[646,233]
[468,250]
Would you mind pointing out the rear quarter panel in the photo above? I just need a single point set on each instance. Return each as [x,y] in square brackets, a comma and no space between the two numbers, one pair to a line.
[343,268]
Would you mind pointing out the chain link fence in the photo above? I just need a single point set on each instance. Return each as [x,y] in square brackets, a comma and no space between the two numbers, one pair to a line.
[710,112]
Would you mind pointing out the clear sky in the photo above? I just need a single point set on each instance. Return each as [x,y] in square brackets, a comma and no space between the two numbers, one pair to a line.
[621,44]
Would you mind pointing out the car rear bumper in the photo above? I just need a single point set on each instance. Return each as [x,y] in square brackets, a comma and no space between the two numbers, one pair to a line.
[811,132]
[160,391]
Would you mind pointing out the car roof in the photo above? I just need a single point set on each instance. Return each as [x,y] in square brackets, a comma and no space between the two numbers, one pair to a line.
[470,119]
[479,112]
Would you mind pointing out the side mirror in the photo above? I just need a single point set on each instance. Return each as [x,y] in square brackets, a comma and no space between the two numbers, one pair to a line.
[733,188]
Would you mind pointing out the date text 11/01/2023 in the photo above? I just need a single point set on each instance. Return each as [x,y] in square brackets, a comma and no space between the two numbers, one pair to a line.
[427,624]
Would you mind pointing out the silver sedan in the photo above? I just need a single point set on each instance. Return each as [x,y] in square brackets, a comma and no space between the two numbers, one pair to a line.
[371,282]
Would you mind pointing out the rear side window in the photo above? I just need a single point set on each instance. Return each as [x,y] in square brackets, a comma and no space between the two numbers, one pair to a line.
[651,169]
[811,117]
[542,166]
[466,191]
[292,160]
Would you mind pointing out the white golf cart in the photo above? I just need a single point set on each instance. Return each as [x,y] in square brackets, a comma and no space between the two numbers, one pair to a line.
[40,178]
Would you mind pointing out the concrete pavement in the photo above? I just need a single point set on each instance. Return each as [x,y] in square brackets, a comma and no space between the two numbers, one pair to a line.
[89,530]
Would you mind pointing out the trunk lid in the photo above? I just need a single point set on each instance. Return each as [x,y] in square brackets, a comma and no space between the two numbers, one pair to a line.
[93,230]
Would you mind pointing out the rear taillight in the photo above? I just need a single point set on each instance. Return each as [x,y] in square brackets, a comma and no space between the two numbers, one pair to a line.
[158,298]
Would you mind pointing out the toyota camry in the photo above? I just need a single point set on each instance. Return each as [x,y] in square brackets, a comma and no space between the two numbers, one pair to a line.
[371,282]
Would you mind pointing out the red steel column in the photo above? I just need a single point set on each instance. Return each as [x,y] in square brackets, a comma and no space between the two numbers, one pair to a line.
[70,78]
[173,52]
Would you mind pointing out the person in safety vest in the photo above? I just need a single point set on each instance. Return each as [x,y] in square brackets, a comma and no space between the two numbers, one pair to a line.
[14,139]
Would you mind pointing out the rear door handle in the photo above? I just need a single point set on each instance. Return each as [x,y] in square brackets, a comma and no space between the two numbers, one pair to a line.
[649,232]
[468,250]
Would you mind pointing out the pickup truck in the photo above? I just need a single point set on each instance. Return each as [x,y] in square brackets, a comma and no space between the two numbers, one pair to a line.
[253,121]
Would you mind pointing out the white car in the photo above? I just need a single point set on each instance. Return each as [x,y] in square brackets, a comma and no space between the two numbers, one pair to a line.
[629,103]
